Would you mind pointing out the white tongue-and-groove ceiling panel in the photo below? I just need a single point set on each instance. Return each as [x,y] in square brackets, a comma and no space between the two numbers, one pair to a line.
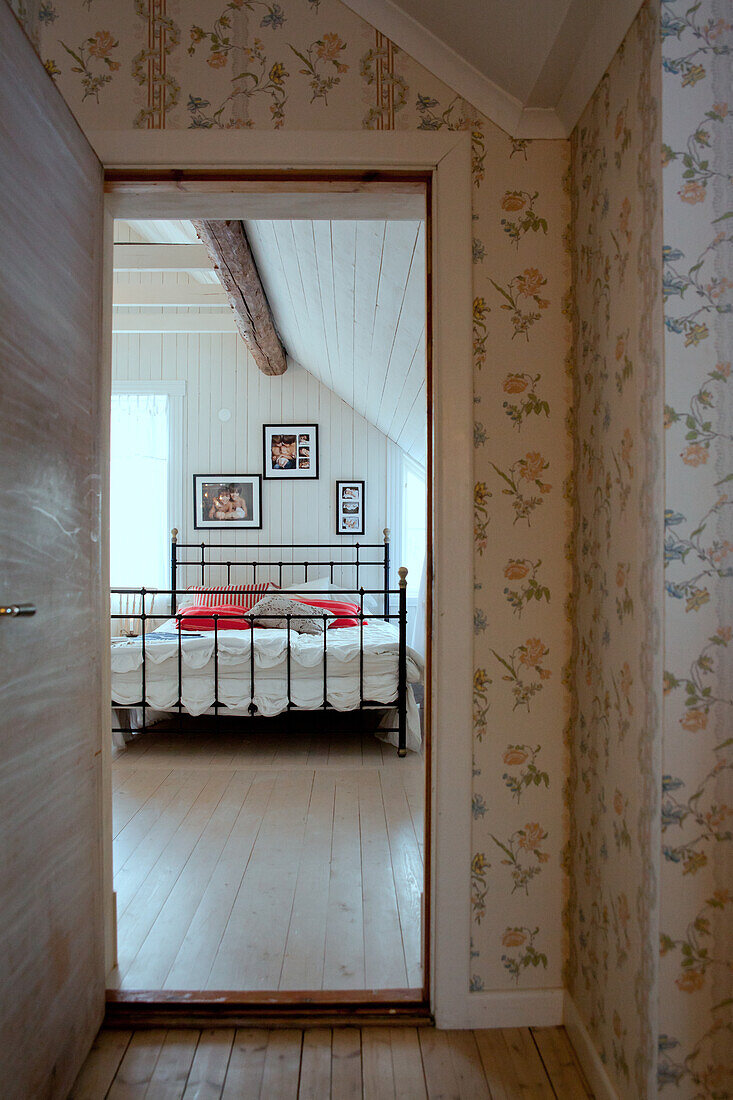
[349,302]
[348,299]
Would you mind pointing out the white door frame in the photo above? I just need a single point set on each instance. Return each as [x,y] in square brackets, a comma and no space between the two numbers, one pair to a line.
[447,156]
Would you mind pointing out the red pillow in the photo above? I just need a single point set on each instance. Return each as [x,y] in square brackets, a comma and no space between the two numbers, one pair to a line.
[201,618]
[337,607]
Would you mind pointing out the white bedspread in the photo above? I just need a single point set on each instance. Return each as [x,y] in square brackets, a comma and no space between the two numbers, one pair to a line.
[343,692]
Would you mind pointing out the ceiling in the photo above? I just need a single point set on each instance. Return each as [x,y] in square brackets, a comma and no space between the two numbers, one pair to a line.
[530,66]
[348,299]
[170,232]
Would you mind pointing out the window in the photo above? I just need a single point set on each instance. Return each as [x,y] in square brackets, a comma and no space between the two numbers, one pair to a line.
[414,521]
[406,517]
[145,474]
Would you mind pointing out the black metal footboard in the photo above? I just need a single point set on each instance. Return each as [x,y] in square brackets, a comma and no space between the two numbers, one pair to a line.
[142,615]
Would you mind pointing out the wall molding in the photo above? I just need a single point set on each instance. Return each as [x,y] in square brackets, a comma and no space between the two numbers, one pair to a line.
[588,1056]
[594,56]
[512,1008]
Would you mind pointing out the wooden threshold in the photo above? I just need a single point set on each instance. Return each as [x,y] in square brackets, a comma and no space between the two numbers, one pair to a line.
[222,1008]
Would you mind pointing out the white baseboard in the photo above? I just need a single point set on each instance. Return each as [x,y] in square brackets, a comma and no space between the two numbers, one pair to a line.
[588,1056]
[520,1008]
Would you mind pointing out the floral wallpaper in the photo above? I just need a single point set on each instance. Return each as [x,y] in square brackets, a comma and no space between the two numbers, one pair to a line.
[612,791]
[313,64]
[522,573]
[696,918]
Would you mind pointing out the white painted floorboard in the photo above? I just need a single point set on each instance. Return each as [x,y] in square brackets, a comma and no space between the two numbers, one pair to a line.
[273,860]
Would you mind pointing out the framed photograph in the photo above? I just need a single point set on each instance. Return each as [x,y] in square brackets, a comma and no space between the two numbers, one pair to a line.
[227,500]
[290,452]
[349,507]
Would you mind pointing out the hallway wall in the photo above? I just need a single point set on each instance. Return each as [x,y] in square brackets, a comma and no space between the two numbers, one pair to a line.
[614,735]
[696,922]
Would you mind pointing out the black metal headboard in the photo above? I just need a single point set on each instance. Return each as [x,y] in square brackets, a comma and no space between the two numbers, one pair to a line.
[241,559]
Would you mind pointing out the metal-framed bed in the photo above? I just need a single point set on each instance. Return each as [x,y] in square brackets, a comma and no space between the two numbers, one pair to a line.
[204,557]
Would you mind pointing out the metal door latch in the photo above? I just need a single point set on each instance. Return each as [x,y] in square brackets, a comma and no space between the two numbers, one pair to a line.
[16,609]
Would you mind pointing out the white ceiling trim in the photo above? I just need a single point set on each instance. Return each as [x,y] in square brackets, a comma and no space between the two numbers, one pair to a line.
[489,98]
[160,257]
[201,323]
[181,295]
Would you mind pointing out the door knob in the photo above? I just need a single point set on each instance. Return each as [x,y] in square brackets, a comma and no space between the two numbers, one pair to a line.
[16,609]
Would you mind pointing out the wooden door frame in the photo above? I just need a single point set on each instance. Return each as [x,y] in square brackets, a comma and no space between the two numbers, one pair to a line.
[164,175]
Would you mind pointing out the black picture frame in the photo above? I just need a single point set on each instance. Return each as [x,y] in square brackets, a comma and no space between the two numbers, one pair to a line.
[305,440]
[349,508]
[204,485]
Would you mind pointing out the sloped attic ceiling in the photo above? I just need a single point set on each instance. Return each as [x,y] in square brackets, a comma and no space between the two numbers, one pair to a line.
[528,66]
[348,298]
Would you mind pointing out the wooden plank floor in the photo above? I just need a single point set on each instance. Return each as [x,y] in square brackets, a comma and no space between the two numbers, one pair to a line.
[375,1063]
[275,860]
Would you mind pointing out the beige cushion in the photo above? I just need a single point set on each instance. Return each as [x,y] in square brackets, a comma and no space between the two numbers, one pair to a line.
[279,606]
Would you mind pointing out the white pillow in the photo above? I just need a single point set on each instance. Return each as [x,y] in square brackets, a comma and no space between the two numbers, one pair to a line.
[319,583]
[373,605]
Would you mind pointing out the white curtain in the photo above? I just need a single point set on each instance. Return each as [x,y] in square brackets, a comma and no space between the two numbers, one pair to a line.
[416,628]
[140,445]
[406,512]
[395,477]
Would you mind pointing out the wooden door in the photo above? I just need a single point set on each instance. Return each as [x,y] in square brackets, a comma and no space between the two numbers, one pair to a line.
[51,940]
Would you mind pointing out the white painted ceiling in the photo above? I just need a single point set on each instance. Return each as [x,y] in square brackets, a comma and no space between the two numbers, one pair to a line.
[169,232]
[529,65]
[348,299]
[507,40]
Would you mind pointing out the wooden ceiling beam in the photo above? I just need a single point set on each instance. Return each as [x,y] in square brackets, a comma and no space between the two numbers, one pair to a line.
[231,256]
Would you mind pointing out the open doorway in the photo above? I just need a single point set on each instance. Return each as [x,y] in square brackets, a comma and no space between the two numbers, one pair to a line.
[268,837]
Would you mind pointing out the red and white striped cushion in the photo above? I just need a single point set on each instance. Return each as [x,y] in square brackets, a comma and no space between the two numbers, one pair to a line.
[241,595]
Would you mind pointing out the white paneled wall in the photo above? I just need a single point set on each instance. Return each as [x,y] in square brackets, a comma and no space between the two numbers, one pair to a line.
[220,374]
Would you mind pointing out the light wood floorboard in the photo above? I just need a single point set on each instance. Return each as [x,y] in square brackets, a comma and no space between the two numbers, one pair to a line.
[267,861]
[344,959]
[246,1064]
[346,1063]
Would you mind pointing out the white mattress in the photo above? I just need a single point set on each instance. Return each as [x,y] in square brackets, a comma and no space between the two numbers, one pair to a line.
[343,689]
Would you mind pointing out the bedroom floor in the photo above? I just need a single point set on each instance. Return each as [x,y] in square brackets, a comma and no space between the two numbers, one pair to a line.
[277,860]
